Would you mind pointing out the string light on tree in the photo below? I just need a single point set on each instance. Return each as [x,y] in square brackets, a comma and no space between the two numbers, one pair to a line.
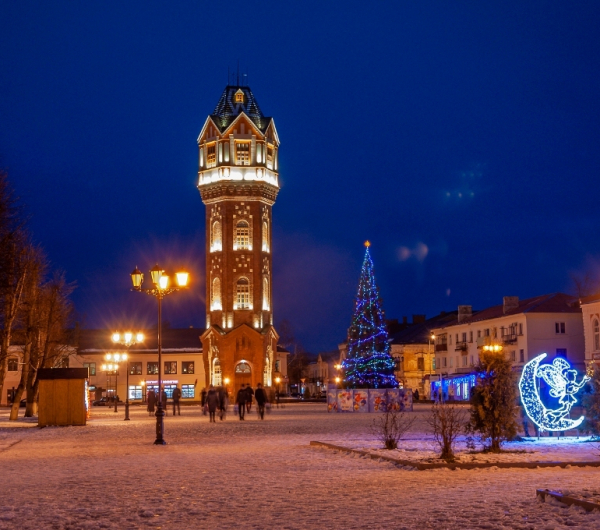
[368,363]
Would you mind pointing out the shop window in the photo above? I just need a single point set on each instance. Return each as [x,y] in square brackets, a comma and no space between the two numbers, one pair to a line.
[91,368]
[188,391]
[170,367]
[135,368]
[187,367]
[169,390]
[135,392]
[152,369]
[13,364]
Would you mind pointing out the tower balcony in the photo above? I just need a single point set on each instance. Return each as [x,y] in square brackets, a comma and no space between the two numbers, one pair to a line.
[238,174]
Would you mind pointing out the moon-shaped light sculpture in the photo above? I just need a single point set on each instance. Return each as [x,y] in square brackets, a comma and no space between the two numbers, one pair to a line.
[546,419]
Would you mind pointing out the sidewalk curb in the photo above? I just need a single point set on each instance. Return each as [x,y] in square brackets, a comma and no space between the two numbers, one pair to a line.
[567,499]
[465,465]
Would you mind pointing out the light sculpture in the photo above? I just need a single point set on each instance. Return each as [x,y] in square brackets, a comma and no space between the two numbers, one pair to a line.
[562,380]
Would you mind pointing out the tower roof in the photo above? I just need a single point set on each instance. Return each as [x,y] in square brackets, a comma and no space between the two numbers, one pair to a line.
[229,108]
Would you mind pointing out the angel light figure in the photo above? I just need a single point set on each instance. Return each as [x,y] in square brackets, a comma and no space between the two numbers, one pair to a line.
[563,384]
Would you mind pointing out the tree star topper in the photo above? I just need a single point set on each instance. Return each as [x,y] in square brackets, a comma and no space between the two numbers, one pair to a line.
[562,380]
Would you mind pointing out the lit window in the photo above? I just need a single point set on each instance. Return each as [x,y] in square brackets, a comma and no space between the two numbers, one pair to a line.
[135,368]
[135,392]
[152,368]
[596,335]
[266,306]
[91,367]
[187,367]
[211,156]
[188,391]
[242,153]
[239,97]
[217,376]
[242,368]
[265,236]
[170,367]
[216,237]
[215,300]
[267,373]
[242,236]
[270,157]
[243,294]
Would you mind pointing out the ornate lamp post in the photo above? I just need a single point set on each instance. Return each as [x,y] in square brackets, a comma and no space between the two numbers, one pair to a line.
[160,289]
[112,368]
[127,339]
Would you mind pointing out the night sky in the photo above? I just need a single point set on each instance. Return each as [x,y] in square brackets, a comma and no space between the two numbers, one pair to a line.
[460,138]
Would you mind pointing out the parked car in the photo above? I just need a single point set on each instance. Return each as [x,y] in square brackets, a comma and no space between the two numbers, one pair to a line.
[102,402]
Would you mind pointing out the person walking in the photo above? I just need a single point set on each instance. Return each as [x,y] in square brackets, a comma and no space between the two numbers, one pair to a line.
[212,402]
[203,400]
[240,400]
[164,401]
[261,399]
[176,398]
[223,402]
[250,393]
[151,402]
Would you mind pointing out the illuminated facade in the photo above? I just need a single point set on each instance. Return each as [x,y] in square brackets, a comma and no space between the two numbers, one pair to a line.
[238,183]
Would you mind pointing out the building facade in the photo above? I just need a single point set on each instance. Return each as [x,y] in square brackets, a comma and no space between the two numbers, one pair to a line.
[238,182]
[522,329]
[590,310]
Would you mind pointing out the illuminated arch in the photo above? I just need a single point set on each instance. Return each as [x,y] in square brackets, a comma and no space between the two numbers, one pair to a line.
[266,296]
[265,236]
[242,293]
[217,376]
[242,240]
[215,295]
[216,239]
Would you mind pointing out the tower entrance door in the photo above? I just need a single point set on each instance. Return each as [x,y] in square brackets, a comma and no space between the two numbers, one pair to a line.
[243,375]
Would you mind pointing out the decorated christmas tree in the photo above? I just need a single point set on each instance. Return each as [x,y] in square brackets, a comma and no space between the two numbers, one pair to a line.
[368,362]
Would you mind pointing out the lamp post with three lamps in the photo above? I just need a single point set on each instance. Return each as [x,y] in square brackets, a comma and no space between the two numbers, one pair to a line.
[112,368]
[127,339]
[160,289]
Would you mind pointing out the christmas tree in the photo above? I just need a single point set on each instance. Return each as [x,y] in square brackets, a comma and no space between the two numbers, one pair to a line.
[368,363]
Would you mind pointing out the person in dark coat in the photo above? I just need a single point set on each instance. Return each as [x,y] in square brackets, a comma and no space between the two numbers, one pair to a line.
[164,402]
[416,395]
[203,400]
[250,393]
[223,402]
[151,402]
[176,398]
[212,402]
[261,399]
[240,400]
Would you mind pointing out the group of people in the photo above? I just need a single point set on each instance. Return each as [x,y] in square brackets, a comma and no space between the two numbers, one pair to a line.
[214,400]
[153,401]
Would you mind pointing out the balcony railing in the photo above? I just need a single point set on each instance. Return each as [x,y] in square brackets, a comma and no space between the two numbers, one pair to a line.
[461,346]
[509,339]
[441,347]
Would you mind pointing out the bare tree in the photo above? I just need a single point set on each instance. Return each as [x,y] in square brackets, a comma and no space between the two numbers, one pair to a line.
[447,422]
[391,426]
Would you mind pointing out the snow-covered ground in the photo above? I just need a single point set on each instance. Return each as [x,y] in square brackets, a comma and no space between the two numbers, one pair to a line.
[255,474]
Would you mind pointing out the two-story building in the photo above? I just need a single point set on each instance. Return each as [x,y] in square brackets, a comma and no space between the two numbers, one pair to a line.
[523,329]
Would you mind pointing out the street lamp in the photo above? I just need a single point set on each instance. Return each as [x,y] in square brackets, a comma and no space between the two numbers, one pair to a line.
[112,368]
[127,339]
[160,289]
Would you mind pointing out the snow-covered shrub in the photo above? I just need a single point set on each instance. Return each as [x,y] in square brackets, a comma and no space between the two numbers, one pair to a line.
[391,426]
[447,422]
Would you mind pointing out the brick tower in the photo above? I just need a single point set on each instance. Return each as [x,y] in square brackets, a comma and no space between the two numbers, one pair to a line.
[238,183]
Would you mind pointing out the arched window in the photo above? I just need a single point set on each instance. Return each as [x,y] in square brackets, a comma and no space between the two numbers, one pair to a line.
[243,368]
[242,236]
[217,378]
[596,335]
[242,290]
[267,372]
[265,236]
[266,297]
[216,237]
[215,295]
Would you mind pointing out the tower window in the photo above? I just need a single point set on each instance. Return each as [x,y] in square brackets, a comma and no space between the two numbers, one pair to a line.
[239,96]
[215,298]
[242,236]
[211,156]
[217,378]
[270,157]
[216,237]
[265,236]
[243,294]
[266,297]
[242,153]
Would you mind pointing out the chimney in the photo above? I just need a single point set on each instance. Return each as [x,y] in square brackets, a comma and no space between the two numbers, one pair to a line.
[465,312]
[418,319]
[510,303]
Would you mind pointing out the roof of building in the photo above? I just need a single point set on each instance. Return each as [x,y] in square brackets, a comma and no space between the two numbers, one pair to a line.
[589,299]
[228,109]
[546,303]
[186,339]
[420,331]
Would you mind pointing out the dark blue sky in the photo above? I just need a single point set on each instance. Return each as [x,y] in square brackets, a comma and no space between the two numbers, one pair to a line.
[461,138]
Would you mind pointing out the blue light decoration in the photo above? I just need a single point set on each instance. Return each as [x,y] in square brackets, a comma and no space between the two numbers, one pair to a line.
[368,363]
[562,380]
[463,385]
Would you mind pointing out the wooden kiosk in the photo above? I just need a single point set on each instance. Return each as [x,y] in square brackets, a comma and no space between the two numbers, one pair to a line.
[63,396]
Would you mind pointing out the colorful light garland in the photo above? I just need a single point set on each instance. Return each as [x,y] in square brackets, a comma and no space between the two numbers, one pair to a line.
[368,363]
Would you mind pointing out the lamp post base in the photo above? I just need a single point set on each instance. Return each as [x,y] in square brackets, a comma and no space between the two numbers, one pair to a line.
[160,426]
[127,410]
